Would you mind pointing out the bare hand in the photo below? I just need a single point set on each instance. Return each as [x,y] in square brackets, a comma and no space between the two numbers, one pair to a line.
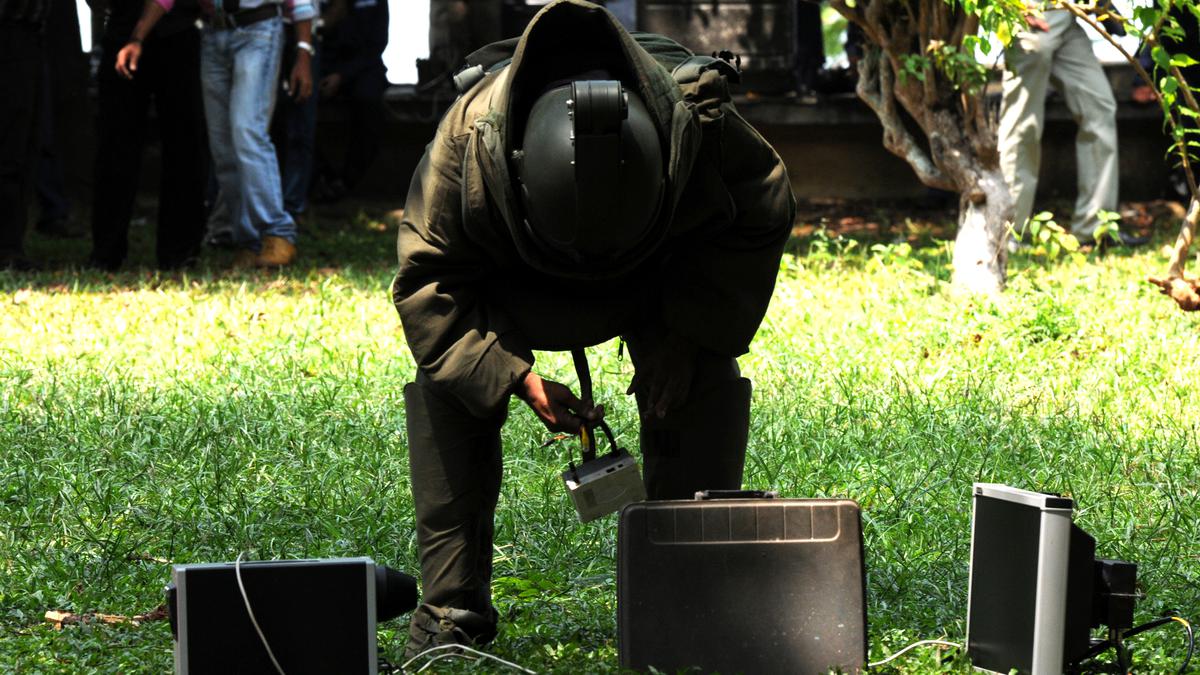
[300,82]
[127,59]
[556,406]
[665,377]
[1144,93]
[1037,23]
[330,84]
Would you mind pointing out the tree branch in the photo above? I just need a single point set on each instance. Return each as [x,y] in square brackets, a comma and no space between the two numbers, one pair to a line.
[875,72]
[1184,241]
[1176,285]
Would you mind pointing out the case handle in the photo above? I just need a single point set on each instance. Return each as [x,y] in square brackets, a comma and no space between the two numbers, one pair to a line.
[706,495]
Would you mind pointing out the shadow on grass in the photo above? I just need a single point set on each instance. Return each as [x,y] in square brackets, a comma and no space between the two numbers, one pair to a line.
[350,240]
[357,241]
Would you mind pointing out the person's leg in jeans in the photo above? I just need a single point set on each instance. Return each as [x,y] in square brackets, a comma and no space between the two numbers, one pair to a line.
[121,130]
[184,167]
[21,72]
[257,50]
[217,81]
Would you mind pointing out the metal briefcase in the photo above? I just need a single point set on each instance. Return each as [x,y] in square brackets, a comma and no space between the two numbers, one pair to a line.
[741,582]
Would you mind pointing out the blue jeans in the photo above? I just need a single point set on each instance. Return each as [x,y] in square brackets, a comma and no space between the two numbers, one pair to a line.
[239,72]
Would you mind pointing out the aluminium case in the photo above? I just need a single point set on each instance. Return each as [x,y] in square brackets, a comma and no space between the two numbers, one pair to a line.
[742,586]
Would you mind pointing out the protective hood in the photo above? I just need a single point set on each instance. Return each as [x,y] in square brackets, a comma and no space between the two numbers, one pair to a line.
[565,38]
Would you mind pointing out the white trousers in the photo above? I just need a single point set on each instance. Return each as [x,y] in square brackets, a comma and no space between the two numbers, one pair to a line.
[1063,57]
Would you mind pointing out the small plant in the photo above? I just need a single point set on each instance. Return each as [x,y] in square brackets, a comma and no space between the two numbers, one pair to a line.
[1109,228]
[899,254]
[822,246]
[1047,239]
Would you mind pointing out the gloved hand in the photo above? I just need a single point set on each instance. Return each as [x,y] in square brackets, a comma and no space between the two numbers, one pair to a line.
[555,405]
[665,376]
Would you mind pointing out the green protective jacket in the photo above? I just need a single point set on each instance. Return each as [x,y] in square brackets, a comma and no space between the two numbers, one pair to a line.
[476,296]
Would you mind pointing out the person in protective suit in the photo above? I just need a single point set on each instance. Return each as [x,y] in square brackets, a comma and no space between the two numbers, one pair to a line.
[598,185]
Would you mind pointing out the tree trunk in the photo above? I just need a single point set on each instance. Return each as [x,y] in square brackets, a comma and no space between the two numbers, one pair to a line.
[959,154]
[980,250]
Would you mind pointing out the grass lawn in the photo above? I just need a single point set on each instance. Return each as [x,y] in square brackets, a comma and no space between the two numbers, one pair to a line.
[149,420]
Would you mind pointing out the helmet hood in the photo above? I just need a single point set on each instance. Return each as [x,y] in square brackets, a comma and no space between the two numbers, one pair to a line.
[588,114]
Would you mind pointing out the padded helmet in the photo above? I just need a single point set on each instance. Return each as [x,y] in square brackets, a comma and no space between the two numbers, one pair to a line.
[590,171]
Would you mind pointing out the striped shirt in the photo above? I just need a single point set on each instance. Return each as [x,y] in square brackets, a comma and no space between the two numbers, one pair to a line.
[24,12]
[293,10]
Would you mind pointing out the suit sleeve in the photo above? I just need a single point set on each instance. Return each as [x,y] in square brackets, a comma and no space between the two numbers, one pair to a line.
[464,346]
[717,288]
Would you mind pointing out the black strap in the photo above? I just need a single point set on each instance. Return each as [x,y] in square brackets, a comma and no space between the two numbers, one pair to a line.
[584,374]
[579,357]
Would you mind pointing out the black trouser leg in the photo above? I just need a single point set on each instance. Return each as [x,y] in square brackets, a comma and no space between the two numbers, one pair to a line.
[455,467]
[121,131]
[176,86]
[810,45]
[21,74]
[701,444]
[366,130]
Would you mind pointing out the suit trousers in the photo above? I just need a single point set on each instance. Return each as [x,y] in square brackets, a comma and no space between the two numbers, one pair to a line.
[1063,57]
[169,74]
[21,74]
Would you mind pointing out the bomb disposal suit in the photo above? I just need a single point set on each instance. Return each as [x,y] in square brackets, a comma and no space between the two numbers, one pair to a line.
[598,185]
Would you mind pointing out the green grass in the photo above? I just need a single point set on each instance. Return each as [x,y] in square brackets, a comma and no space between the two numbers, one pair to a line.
[188,418]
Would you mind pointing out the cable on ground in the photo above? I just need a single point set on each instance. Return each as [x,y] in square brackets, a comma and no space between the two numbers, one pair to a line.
[942,643]
[463,648]
[237,570]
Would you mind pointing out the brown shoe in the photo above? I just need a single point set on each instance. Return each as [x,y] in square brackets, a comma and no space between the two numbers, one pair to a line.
[276,252]
[244,259]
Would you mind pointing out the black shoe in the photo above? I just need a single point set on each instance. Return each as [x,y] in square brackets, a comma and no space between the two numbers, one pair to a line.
[188,263]
[59,228]
[433,627]
[328,190]
[1122,240]
[16,262]
[220,240]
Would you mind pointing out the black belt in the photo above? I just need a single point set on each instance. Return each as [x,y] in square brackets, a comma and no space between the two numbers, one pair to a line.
[245,17]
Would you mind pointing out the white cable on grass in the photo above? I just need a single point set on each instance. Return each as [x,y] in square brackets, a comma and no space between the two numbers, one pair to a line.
[443,657]
[914,645]
[237,570]
[439,648]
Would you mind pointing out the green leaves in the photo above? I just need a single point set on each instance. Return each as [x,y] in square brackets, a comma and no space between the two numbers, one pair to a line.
[1183,61]
[1160,56]
[1146,16]
[914,65]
